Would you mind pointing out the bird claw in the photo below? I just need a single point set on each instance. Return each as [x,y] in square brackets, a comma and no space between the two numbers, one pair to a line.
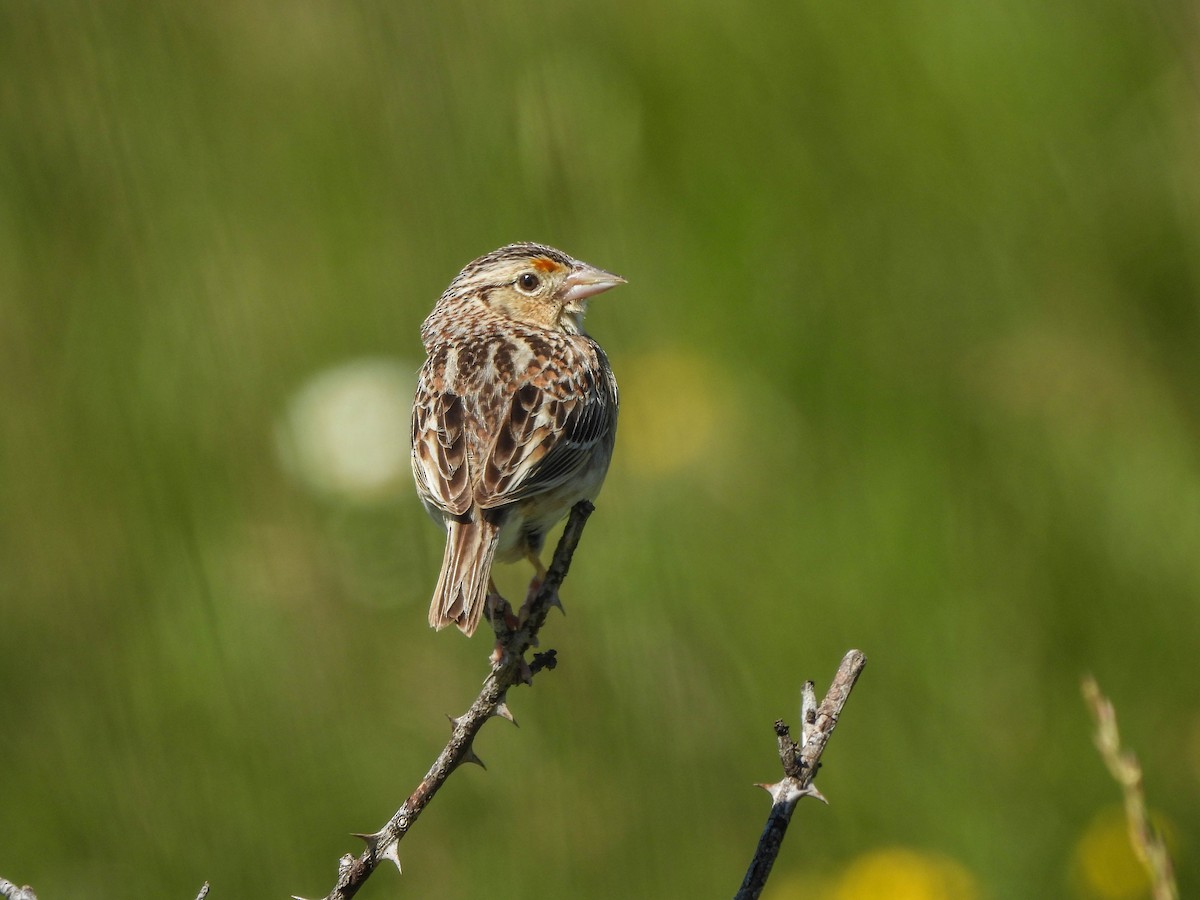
[500,613]
[535,585]
[501,656]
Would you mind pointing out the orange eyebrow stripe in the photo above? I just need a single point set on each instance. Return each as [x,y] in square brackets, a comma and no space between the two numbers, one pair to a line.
[542,264]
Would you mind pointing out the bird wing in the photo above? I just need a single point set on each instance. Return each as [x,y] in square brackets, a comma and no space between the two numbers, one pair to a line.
[440,458]
[552,429]
[496,444]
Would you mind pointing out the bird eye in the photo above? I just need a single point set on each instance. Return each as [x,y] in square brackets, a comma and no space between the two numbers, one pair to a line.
[528,281]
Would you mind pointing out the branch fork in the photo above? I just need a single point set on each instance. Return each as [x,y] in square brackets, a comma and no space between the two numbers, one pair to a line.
[800,760]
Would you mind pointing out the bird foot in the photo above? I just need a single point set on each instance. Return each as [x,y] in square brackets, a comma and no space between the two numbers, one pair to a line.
[500,658]
[535,585]
[500,613]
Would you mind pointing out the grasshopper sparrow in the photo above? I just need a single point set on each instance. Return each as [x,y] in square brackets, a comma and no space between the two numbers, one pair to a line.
[514,418]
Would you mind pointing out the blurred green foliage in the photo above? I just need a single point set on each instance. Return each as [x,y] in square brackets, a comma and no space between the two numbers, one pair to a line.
[910,358]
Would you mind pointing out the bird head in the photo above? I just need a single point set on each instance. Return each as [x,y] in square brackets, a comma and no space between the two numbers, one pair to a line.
[535,285]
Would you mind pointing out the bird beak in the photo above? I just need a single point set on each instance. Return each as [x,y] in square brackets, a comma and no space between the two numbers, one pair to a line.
[588,281]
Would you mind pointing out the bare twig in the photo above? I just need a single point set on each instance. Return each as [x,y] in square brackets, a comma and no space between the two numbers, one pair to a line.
[1147,841]
[13,892]
[800,764]
[509,669]
[203,892]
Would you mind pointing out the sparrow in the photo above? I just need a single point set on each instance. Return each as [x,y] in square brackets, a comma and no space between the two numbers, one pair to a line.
[515,415]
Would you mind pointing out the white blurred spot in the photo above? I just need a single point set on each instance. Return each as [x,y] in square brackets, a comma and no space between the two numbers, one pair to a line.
[345,432]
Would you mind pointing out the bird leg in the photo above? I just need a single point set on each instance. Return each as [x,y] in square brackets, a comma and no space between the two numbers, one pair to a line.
[539,576]
[495,605]
[506,626]
[535,585]
[503,621]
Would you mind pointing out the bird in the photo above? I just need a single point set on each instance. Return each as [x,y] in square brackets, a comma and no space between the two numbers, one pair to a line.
[514,418]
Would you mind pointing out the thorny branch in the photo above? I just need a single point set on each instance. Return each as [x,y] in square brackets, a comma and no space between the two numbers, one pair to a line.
[1147,841]
[11,891]
[507,670]
[800,764]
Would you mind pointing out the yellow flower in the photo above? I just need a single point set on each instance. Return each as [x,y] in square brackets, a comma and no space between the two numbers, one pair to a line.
[1105,865]
[900,873]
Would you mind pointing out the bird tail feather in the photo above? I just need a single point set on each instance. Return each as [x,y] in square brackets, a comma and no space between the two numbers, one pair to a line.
[462,586]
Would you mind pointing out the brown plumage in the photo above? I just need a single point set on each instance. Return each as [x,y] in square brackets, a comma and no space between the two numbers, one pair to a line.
[515,415]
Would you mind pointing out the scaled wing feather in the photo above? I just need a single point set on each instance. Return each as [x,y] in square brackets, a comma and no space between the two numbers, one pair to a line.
[555,437]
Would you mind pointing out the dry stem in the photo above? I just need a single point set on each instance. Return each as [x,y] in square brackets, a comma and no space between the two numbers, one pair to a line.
[11,891]
[1147,841]
[800,764]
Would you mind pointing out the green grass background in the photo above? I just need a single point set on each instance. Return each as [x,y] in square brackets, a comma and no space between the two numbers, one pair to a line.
[910,355]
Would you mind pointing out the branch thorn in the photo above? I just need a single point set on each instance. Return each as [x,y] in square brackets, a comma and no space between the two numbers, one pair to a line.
[811,790]
[501,709]
[470,756]
[371,840]
[392,852]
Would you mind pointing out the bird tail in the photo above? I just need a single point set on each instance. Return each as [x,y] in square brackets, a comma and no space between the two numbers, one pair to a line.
[462,585]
